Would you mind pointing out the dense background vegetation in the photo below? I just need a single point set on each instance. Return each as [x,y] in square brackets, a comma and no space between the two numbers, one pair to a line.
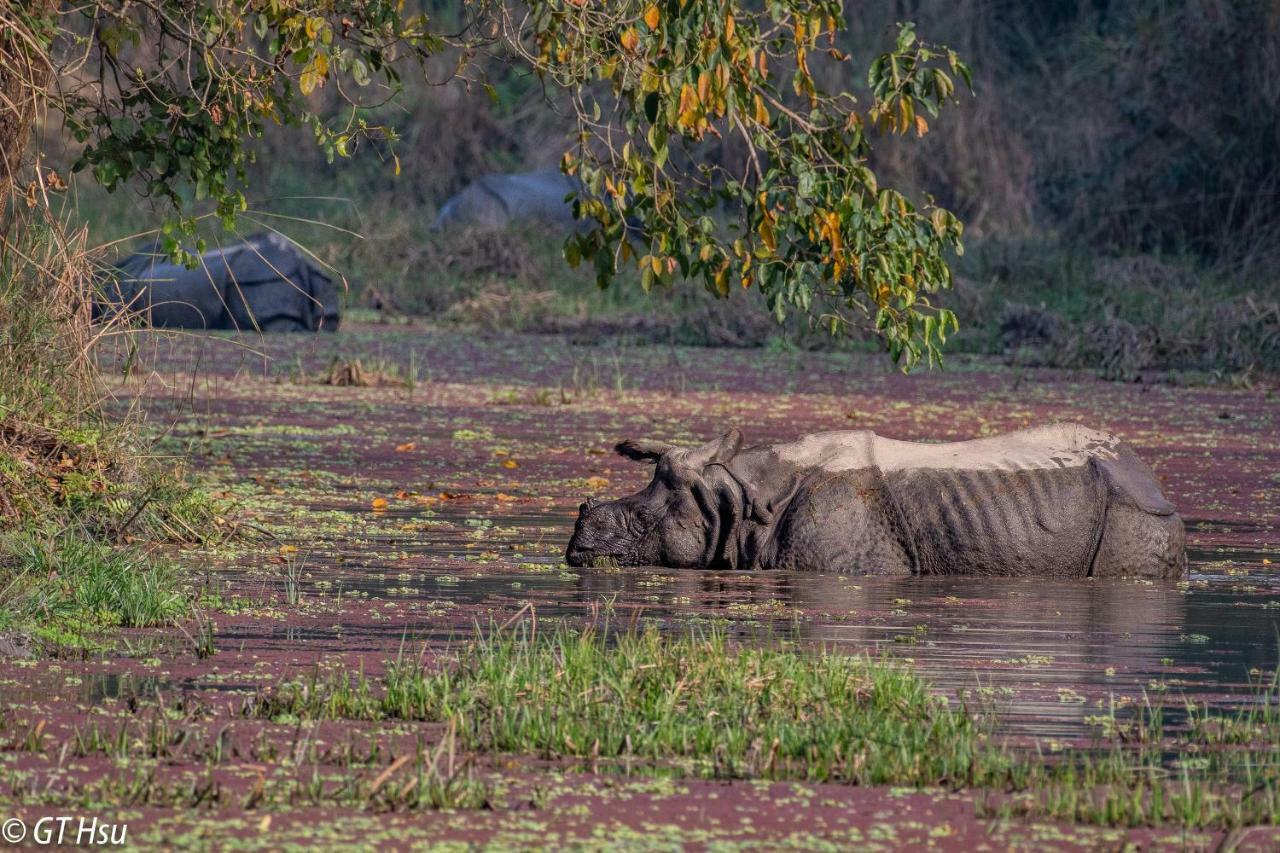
[1117,170]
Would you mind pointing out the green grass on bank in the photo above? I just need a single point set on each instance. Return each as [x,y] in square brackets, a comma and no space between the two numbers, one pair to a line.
[700,705]
[64,588]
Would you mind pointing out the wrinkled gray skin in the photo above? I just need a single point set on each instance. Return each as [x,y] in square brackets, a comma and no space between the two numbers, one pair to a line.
[1059,501]
[497,201]
[263,283]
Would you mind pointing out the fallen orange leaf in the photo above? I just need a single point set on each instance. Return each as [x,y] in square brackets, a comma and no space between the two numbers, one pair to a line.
[379,504]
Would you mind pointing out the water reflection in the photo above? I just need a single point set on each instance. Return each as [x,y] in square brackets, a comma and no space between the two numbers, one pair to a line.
[1049,653]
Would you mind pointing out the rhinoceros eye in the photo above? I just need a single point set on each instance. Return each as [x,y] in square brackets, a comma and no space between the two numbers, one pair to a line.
[647,517]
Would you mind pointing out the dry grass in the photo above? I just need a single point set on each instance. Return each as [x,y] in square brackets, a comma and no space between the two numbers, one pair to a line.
[63,461]
[53,439]
[356,374]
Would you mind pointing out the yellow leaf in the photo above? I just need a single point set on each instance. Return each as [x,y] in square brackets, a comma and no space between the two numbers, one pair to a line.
[407,447]
[288,549]
[831,230]
[313,26]
[730,26]
[922,126]
[767,235]
[379,504]
[762,114]
[630,40]
[308,80]
[510,463]
[704,87]
[721,281]
[688,106]
[652,17]
[596,483]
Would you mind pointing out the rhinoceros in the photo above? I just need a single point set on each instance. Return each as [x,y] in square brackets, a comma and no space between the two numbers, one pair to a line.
[497,201]
[1055,501]
[263,282]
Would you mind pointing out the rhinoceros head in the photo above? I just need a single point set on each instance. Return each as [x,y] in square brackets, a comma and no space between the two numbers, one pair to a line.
[675,521]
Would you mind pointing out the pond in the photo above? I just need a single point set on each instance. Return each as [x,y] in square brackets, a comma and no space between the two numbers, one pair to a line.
[391,520]
[412,511]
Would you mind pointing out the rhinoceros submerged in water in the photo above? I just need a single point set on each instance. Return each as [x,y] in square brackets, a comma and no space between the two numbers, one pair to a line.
[1056,501]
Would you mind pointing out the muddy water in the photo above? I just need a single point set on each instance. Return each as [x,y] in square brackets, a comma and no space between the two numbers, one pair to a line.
[1049,654]
[483,461]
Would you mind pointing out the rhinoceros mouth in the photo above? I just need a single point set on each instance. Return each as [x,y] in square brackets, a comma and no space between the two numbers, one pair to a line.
[598,560]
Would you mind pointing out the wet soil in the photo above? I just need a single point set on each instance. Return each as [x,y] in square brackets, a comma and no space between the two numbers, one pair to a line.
[404,514]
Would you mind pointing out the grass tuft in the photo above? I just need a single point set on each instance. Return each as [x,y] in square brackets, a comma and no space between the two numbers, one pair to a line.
[54,577]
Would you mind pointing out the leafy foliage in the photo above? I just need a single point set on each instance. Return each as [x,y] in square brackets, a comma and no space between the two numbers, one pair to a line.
[706,145]
[171,95]
[812,229]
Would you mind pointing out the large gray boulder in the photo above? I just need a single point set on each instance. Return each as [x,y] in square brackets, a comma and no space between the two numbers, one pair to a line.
[261,283]
[1057,501]
[498,201]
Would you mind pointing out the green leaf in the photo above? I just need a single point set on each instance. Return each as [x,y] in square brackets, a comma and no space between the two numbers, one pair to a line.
[360,72]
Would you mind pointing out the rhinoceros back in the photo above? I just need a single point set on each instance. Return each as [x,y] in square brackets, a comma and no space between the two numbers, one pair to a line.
[1060,500]
[1041,521]
[1030,502]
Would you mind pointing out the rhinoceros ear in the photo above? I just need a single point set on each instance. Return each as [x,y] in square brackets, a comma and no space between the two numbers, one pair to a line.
[643,450]
[720,450]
